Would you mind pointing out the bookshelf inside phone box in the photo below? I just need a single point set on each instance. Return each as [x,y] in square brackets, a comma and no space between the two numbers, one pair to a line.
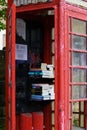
[34,69]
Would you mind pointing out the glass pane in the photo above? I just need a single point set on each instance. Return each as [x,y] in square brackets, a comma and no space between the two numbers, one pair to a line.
[53,128]
[75,107]
[82,120]
[78,26]
[75,120]
[53,47]
[79,75]
[53,60]
[78,42]
[52,105]
[52,118]
[78,106]
[82,106]
[52,33]
[79,59]
[78,118]
[79,92]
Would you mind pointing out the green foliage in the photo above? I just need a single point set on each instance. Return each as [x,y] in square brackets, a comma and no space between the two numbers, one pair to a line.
[3,2]
[3,6]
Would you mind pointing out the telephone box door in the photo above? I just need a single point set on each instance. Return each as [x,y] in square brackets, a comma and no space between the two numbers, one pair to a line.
[76,64]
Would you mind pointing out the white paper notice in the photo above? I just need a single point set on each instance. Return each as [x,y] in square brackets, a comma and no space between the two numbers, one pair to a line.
[21,28]
[21,52]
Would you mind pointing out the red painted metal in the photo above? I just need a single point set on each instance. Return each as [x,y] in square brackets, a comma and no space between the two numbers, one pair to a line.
[47,59]
[59,69]
[35,7]
[62,13]
[7,72]
[10,2]
[10,69]
[57,83]
[72,12]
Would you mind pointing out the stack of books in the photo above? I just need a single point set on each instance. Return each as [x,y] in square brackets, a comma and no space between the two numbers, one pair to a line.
[46,71]
[42,92]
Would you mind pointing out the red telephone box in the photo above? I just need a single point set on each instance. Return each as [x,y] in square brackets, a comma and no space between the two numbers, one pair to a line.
[46,58]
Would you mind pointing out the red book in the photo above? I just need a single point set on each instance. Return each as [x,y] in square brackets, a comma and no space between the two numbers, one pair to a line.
[37,120]
[26,121]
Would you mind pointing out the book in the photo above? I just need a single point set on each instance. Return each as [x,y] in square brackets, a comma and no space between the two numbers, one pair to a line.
[43,74]
[42,92]
[38,120]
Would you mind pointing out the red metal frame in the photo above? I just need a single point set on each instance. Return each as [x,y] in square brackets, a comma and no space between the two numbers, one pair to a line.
[10,69]
[59,68]
[78,13]
[10,2]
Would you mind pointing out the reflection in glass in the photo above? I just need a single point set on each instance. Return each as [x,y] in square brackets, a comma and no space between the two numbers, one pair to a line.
[78,26]
[82,120]
[53,60]
[53,47]
[75,107]
[53,128]
[79,59]
[75,120]
[52,118]
[52,33]
[78,122]
[78,42]
[82,106]
[79,92]
[78,117]
[79,75]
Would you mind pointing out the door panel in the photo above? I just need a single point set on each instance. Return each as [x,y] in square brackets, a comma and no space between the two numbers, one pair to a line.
[76,44]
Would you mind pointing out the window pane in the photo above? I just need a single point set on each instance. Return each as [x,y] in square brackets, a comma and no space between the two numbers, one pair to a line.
[75,107]
[78,42]
[79,92]
[52,33]
[53,60]
[52,106]
[82,120]
[52,118]
[53,128]
[79,59]
[82,106]
[79,75]
[75,120]
[53,47]
[78,26]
